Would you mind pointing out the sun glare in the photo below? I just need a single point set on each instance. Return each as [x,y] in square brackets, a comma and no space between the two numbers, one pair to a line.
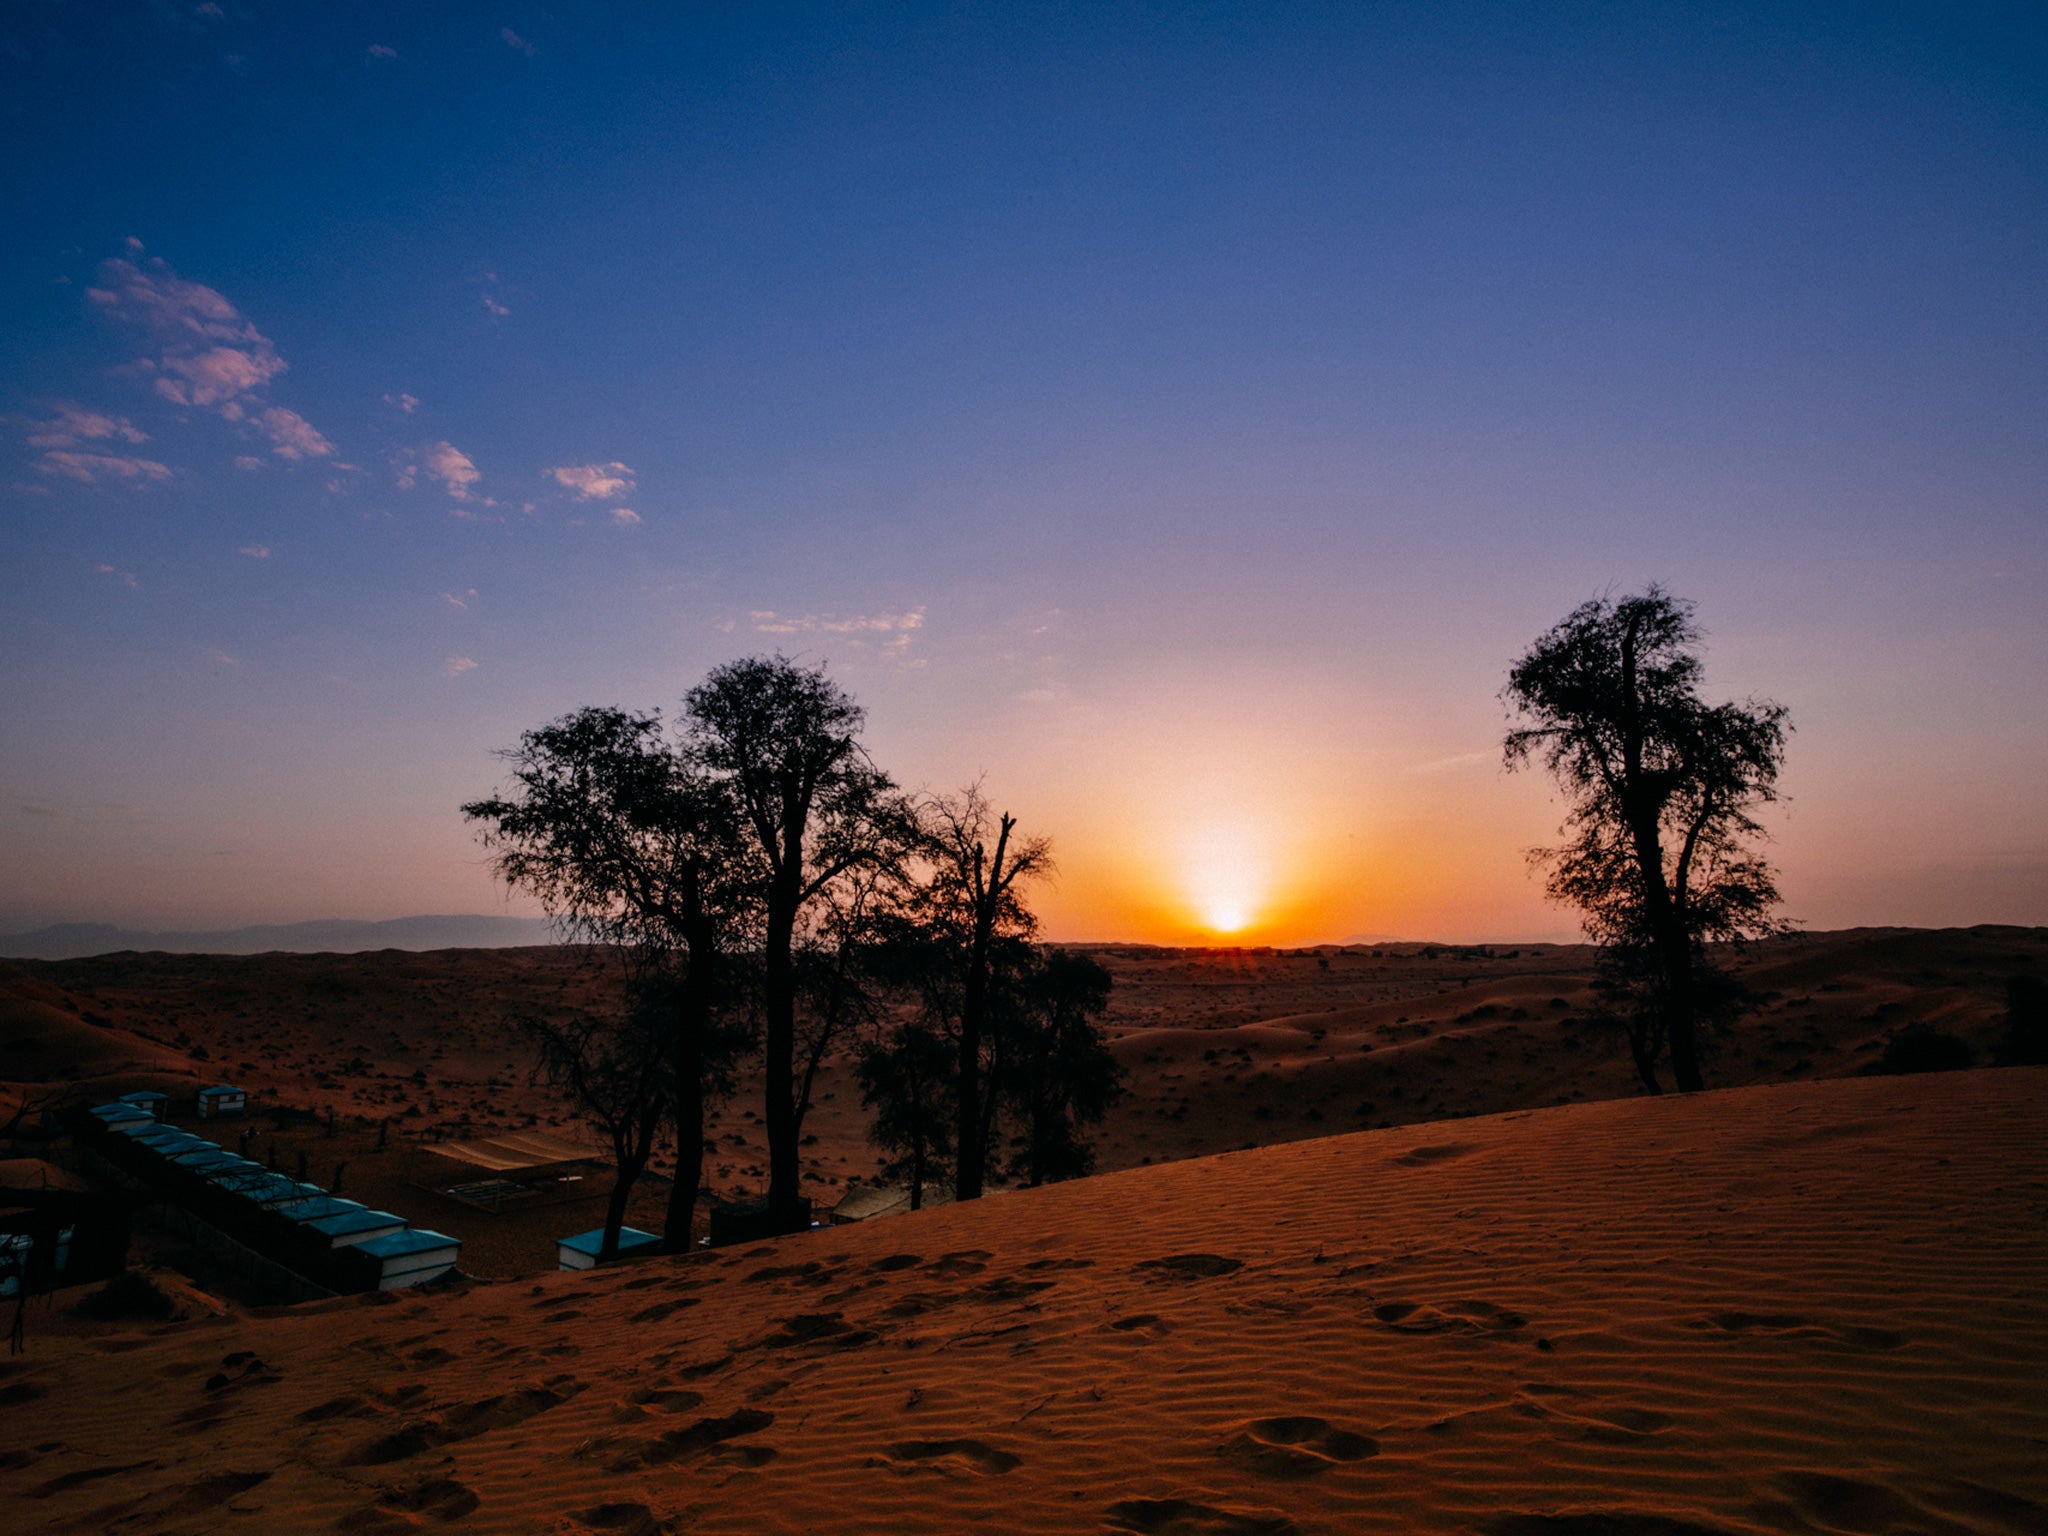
[1226,874]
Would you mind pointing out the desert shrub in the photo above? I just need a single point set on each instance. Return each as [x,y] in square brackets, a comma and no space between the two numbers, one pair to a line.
[127,1295]
[2025,1041]
[1922,1048]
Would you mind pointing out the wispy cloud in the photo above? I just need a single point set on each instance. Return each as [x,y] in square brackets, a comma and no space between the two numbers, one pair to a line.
[382,51]
[208,355]
[461,600]
[223,659]
[625,517]
[248,462]
[92,468]
[496,310]
[515,42]
[292,436]
[127,579]
[405,403]
[595,482]
[457,665]
[892,631]
[255,551]
[74,424]
[456,471]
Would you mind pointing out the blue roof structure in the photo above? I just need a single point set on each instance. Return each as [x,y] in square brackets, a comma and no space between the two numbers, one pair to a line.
[411,1240]
[314,1207]
[219,1089]
[631,1240]
[205,1159]
[236,1166]
[167,1141]
[110,1113]
[348,1223]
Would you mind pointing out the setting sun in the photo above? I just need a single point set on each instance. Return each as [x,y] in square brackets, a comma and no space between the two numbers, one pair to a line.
[1227,875]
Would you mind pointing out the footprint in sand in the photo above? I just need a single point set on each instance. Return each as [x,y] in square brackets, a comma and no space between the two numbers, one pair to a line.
[1474,1318]
[948,1266]
[822,1328]
[893,1262]
[812,1273]
[701,1440]
[70,1480]
[620,1520]
[662,1309]
[349,1405]
[1422,1157]
[1148,1324]
[398,1509]
[1791,1325]
[211,1493]
[1294,1447]
[1190,1266]
[1184,1517]
[952,1457]
[1007,1288]
[464,1421]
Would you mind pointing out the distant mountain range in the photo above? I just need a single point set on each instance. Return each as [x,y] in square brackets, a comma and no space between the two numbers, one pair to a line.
[72,941]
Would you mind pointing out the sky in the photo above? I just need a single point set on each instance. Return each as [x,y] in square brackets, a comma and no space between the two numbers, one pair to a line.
[1178,415]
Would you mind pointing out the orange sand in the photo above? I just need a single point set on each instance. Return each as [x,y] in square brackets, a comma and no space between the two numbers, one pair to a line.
[1816,1307]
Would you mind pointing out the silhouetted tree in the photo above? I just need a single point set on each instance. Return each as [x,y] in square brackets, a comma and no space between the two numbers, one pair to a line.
[1061,1073]
[784,743]
[1661,785]
[615,1071]
[908,1078]
[632,850]
[2025,1041]
[973,914]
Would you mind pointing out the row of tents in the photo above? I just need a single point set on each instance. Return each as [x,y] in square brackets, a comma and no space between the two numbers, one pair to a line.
[337,1243]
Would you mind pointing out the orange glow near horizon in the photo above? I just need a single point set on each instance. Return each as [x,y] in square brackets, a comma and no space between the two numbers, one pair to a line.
[1226,872]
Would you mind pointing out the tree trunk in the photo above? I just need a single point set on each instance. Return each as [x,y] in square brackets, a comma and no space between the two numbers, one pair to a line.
[687,1061]
[969,1170]
[1645,1057]
[615,1210]
[784,1172]
[1682,1014]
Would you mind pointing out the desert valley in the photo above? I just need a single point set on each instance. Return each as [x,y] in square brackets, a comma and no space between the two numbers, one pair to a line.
[1412,1253]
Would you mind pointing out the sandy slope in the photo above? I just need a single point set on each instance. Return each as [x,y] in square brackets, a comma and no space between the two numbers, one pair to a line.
[1808,1308]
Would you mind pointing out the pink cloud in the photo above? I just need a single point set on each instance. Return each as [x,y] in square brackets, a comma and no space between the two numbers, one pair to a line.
[218,377]
[92,468]
[208,354]
[515,42]
[594,482]
[625,517]
[292,436]
[73,425]
[453,468]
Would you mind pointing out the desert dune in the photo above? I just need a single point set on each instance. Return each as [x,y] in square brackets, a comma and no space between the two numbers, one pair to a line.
[1813,1307]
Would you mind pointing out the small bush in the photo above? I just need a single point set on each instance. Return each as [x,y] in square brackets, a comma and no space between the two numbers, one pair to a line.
[1923,1048]
[127,1295]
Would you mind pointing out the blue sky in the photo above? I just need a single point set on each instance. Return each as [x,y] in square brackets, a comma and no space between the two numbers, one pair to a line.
[1181,414]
